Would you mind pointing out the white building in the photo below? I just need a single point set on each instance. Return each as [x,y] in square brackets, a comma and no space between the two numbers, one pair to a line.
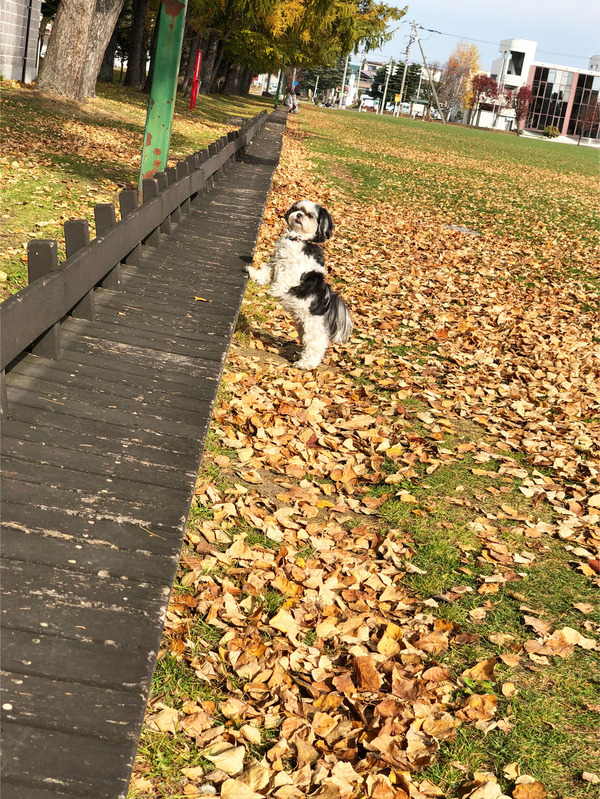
[563,97]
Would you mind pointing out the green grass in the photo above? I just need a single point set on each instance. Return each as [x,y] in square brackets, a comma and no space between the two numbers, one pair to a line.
[474,178]
[61,158]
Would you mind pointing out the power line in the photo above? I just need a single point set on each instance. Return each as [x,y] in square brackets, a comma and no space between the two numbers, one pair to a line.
[484,41]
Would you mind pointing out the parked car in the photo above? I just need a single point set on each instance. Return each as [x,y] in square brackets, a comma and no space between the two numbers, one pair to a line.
[368,104]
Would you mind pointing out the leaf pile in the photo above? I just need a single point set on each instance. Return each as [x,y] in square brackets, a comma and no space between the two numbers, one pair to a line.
[326,674]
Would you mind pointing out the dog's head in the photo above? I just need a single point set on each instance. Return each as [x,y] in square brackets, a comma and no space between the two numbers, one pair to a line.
[309,221]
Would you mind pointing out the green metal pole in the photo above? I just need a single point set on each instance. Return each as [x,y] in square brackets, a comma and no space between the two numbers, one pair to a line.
[161,105]
[279,83]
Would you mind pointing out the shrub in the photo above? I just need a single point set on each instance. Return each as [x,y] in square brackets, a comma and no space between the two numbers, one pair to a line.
[551,131]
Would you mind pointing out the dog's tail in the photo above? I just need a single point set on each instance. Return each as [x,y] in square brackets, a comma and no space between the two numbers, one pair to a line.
[339,320]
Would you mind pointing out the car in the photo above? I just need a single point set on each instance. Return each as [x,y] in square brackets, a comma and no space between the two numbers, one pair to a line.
[368,104]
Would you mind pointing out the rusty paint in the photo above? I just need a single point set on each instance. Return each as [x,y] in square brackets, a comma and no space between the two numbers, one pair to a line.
[157,151]
[148,139]
[173,8]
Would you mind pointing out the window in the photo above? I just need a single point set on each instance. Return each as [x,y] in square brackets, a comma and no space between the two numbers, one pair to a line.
[515,66]
[551,92]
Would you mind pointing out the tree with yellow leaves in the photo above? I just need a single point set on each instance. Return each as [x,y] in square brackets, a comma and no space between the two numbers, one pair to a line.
[455,80]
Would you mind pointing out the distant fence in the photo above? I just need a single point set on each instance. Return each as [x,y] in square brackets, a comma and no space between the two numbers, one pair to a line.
[30,319]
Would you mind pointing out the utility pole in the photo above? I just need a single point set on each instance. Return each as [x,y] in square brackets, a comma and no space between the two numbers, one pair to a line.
[387,80]
[279,84]
[410,39]
[437,102]
[344,81]
[161,103]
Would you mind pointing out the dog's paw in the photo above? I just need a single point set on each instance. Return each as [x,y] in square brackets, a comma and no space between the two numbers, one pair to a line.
[306,364]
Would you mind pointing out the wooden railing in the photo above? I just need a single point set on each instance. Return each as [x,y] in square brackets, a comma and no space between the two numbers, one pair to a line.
[30,320]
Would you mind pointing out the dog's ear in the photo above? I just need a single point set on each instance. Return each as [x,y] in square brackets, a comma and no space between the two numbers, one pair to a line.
[291,211]
[325,225]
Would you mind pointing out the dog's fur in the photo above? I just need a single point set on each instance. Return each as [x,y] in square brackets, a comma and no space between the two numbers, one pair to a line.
[296,274]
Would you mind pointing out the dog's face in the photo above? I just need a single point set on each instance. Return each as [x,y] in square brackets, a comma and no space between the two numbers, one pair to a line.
[309,221]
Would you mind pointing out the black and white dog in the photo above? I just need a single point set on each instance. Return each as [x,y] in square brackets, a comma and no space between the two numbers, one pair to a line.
[296,274]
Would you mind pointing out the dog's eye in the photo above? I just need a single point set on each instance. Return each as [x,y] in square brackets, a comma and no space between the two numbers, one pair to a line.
[310,216]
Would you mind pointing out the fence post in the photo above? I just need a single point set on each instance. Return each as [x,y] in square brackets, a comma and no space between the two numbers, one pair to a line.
[203,156]
[183,170]
[105,218]
[163,181]
[42,258]
[77,236]
[193,162]
[128,203]
[149,192]
[212,150]
[171,173]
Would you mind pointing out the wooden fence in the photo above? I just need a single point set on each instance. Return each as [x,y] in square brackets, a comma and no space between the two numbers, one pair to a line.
[30,320]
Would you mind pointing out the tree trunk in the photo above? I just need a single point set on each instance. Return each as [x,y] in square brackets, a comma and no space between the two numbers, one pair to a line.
[188,74]
[148,84]
[106,74]
[220,71]
[231,84]
[101,30]
[210,48]
[61,71]
[136,57]
[247,77]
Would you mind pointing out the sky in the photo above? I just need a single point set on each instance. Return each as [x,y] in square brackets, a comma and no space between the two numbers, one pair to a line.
[567,32]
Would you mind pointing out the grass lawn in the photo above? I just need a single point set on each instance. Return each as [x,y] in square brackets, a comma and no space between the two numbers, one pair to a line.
[475,356]
[59,159]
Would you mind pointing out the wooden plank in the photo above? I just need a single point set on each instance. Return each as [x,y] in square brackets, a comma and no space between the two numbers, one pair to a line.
[102,380]
[105,467]
[143,405]
[45,547]
[79,766]
[110,535]
[209,314]
[54,601]
[110,485]
[19,791]
[77,660]
[132,364]
[77,416]
[208,347]
[103,446]
[141,510]
[69,706]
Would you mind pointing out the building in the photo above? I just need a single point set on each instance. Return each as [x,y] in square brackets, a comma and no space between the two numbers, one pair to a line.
[563,97]
[20,39]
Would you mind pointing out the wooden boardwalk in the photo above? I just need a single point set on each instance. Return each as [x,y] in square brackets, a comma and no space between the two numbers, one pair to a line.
[100,456]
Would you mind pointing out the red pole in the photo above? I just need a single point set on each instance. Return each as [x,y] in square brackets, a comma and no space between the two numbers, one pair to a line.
[196,80]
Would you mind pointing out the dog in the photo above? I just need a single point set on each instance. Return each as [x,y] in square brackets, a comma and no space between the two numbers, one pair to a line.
[296,274]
